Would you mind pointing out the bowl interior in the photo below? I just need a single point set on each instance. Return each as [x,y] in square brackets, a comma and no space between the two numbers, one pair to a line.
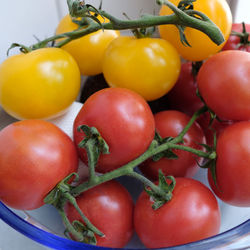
[47,222]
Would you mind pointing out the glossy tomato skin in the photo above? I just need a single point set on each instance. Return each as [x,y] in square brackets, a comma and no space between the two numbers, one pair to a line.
[234,43]
[34,156]
[39,85]
[148,66]
[88,50]
[123,119]
[201,45]
[109,207]
[183,96]
[223,80]
[192,214]
[171,123]
[232,165]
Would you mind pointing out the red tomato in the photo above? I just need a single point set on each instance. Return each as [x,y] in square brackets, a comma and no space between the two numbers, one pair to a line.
[232,165]
[34,156]
[209,129]
[223,81]
[123,119]
[171,123]
[240,41]
[192,214]
[109,207]
[183,95]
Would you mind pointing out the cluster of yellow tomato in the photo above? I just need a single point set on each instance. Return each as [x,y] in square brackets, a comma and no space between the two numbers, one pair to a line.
[44,83]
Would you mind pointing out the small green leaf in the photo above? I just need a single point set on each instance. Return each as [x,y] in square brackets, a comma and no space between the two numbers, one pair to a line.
[23,48]
[213,172]
[183,38]
[157,204]
[162,181]
[171,186]
[157,157]
[88,235]
[160,199]
[157,137]
[171,155]
[51,197]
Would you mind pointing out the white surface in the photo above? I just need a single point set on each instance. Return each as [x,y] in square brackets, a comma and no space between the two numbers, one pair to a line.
[117,7]
[20,21]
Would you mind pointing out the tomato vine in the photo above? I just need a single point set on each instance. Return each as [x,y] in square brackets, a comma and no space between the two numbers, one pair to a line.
[95,145]
[182,17]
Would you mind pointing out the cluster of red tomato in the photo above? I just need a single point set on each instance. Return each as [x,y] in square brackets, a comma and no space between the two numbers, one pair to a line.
[35,155]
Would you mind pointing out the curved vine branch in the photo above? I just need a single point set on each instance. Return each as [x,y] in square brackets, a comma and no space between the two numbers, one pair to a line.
[187,18]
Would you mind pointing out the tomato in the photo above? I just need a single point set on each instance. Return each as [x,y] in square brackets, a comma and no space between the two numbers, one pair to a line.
[148,66]
[123,119]
[34,156]
[232,165]
[39,85]
[209,129]
[192,214]
[171,123]
[88,50]
[201,46]
[239,42]
[223,82]
[109,207]
[183,95]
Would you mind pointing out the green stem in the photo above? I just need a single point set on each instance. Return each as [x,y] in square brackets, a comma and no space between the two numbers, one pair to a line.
[128,169]
[78,236]
[179,138]
[150,184]
[184,18]
[244,35]
[89,225]
[194,151]
[92,159]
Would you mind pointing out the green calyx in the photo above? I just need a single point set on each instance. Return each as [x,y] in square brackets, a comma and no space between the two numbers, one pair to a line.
[61,195]
[158,199]
[168,153]
[244,36]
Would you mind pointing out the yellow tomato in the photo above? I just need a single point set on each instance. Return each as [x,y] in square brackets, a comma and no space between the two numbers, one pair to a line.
[148,66]
[201,45]
[39,85]
[88,50]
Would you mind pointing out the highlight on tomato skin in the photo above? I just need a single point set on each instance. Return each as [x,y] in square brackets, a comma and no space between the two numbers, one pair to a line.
[34,156]
[201,46]
[191,215]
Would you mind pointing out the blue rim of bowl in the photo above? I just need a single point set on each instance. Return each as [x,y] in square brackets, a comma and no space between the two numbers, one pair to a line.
[57,242]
